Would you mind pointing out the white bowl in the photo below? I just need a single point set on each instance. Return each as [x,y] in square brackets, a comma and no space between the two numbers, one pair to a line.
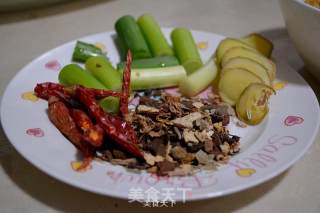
[303,24]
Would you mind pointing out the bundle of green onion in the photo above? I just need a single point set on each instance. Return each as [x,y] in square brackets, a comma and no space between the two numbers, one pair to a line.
[155,63]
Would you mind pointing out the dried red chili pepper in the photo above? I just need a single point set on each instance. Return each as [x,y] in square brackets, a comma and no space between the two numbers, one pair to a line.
[44,90]
[115,127]
[94,135]
[47,89]
[81,119]
[126,85]
[60,116]
[101,93]
[91,133]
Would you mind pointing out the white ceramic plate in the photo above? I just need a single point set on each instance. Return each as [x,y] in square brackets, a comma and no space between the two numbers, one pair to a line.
[267,149]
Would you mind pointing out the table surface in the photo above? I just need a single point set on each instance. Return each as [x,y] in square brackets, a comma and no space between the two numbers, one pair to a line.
[27,34]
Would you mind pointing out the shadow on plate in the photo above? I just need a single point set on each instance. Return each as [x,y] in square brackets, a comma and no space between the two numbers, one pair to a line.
[47,10]
[62,197]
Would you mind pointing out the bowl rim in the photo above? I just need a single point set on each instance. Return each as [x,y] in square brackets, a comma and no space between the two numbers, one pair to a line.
[307,5]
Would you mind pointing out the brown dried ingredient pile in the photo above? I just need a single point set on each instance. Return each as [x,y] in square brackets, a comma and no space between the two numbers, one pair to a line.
[178,135]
